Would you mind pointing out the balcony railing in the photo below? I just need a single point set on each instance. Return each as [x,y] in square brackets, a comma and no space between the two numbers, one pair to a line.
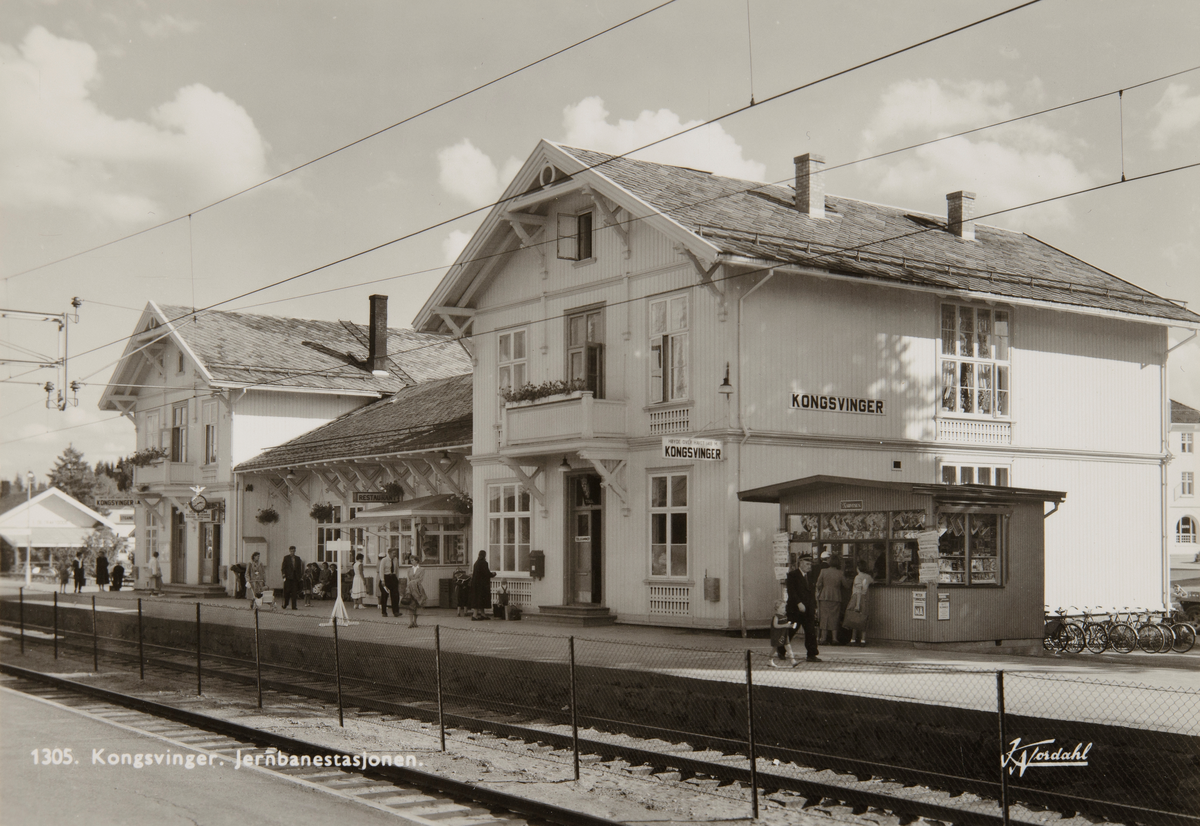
[974,432]
[579,416]
[166,473]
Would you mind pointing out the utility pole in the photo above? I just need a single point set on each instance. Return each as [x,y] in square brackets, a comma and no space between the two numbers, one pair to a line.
[62,363]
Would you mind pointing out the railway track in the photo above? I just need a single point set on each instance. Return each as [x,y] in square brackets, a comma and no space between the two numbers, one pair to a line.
[707,763]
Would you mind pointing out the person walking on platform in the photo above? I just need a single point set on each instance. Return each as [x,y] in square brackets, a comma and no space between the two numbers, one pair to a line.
[389,582]
[118,576]
[481,587]
[293,576]
[802,604]
[64,576]
[358,591]
[101,570]
[78,573]
[414,597]
[830,583]
[155,574]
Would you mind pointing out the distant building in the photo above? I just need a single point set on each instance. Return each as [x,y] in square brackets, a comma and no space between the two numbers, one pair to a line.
[711,336]
[1182,501]
[59,524]
[210,390]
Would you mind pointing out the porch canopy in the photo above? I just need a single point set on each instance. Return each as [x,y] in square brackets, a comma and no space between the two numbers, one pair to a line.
[440,506]
[46,537]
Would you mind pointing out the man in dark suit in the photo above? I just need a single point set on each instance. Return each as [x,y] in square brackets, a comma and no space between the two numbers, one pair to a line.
[293,577]
[802,604]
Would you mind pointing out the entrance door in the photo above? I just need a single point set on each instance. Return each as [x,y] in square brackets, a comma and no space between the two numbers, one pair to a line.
[584,541]
[210,550]
[178,546]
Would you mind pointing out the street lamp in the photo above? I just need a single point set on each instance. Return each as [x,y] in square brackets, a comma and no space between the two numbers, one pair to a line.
[29,525]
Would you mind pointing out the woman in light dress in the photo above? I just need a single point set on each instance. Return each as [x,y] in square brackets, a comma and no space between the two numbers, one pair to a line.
[416,590]
[256,578]
[359,589]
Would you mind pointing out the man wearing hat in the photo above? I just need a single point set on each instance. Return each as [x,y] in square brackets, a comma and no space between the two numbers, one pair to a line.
[802,604]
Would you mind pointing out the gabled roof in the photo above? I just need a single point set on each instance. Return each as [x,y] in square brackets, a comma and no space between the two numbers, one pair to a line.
[720,218]
[1182,414]
[232,349]
[428,416]
[18,522]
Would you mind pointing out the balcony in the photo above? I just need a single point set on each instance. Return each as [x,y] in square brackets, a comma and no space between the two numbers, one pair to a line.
[163,474]
[562,418]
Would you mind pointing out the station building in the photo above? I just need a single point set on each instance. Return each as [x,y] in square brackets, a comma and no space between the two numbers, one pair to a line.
[649,341]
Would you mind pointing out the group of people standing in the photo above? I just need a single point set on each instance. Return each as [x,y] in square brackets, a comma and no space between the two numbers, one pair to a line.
[105,579]
[823,602]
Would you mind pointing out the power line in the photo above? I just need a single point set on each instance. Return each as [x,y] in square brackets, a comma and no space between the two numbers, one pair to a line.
[408,119]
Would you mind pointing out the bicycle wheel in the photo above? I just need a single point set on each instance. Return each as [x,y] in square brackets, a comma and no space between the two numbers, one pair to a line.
[1185,637]
[1095,637]
[1168,634]
[1122,637]
[1072,635]
[1149,638]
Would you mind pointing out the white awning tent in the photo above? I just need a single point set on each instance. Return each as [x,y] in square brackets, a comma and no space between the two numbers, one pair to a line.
[440,506]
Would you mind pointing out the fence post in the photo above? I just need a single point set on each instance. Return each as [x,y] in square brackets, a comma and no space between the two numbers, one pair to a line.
[198,648]
[56,625]
[437,670]
[337,667]
[750,739]
[141,648]
[21,612]
[257,659]
[1003,745]
[95,640]
[574,711]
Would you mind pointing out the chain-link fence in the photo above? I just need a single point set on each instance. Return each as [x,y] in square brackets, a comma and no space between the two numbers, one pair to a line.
[721,718]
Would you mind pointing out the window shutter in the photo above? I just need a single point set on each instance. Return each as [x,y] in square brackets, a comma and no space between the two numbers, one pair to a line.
[568,240]
[595,370]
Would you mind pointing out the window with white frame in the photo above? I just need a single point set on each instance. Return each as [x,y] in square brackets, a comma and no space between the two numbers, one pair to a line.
[511,361]
[153,435]
[210,433]
[963,474]
[326,534]
[1185,443]
[1188,485]
[669,378]
[152,530]
[585,350]
[575,236]
[970,547]
[1185,530]
[508,528]
[179,432]
[669,525]
[974,361]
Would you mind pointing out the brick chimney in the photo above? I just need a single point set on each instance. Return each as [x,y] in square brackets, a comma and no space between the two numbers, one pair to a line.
[810,185]
[377,347]
[960,214]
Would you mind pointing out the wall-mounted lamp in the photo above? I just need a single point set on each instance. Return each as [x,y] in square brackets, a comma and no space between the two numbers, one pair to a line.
[444,459]
[726,389]
[565,466]
[291,474]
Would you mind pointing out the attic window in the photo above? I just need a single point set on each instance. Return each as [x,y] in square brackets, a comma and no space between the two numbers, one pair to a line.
[575,237]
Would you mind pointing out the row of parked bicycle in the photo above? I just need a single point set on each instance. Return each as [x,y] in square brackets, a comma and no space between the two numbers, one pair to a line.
[1155,632]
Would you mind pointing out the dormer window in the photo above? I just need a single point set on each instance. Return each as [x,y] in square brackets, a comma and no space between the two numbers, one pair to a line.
[575,237]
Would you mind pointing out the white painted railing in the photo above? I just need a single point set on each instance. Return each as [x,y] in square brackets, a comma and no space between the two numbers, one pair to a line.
[974,432]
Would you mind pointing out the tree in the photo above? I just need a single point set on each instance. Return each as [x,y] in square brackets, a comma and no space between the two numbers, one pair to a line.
[73,477]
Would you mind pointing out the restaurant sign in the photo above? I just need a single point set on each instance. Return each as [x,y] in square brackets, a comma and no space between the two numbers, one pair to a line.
[837,404]
[709,450]
[366,497]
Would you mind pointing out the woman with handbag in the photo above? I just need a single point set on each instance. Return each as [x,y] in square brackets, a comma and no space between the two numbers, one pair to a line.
[858,609]
[414,596]
[256,578]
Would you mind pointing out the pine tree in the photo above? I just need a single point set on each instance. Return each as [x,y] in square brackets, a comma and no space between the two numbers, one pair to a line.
[73,477]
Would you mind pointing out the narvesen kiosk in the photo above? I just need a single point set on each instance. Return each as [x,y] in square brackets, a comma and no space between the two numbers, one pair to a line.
[960,565]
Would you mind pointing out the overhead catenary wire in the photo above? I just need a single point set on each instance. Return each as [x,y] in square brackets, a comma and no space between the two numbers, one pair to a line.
[353,143]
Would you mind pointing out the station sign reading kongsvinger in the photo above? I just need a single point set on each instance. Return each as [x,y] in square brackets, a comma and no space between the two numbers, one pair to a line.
[707,450]
[836,404]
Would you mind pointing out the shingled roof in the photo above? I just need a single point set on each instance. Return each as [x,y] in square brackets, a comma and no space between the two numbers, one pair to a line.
[761,222]
[1182,414]
[429,416]
[243,349]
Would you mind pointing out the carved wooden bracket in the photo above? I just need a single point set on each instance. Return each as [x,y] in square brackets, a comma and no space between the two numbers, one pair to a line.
[609,470]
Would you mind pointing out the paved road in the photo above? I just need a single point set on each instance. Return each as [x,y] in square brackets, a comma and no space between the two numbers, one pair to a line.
[86,792]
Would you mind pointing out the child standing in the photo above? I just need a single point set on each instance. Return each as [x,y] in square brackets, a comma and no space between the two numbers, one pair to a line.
[782,630]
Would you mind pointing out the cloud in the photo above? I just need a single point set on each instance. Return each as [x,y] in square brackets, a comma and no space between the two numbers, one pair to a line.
[167,25]
[466,172]
[1177,114]
[453,245]
[710,148]
[1013,165]
[60,150]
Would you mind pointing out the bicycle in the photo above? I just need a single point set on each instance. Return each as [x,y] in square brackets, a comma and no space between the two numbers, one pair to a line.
[1183,632]
[1061,634]
[1095,635]
[1150,635]
[1122,637]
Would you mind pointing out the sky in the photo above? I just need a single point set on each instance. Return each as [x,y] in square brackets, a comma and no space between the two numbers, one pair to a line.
[129,124]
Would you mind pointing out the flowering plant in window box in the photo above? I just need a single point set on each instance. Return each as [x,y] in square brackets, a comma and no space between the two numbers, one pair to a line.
[149,456]
[322,512]
[534,392]
[461,503]
[267,515]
